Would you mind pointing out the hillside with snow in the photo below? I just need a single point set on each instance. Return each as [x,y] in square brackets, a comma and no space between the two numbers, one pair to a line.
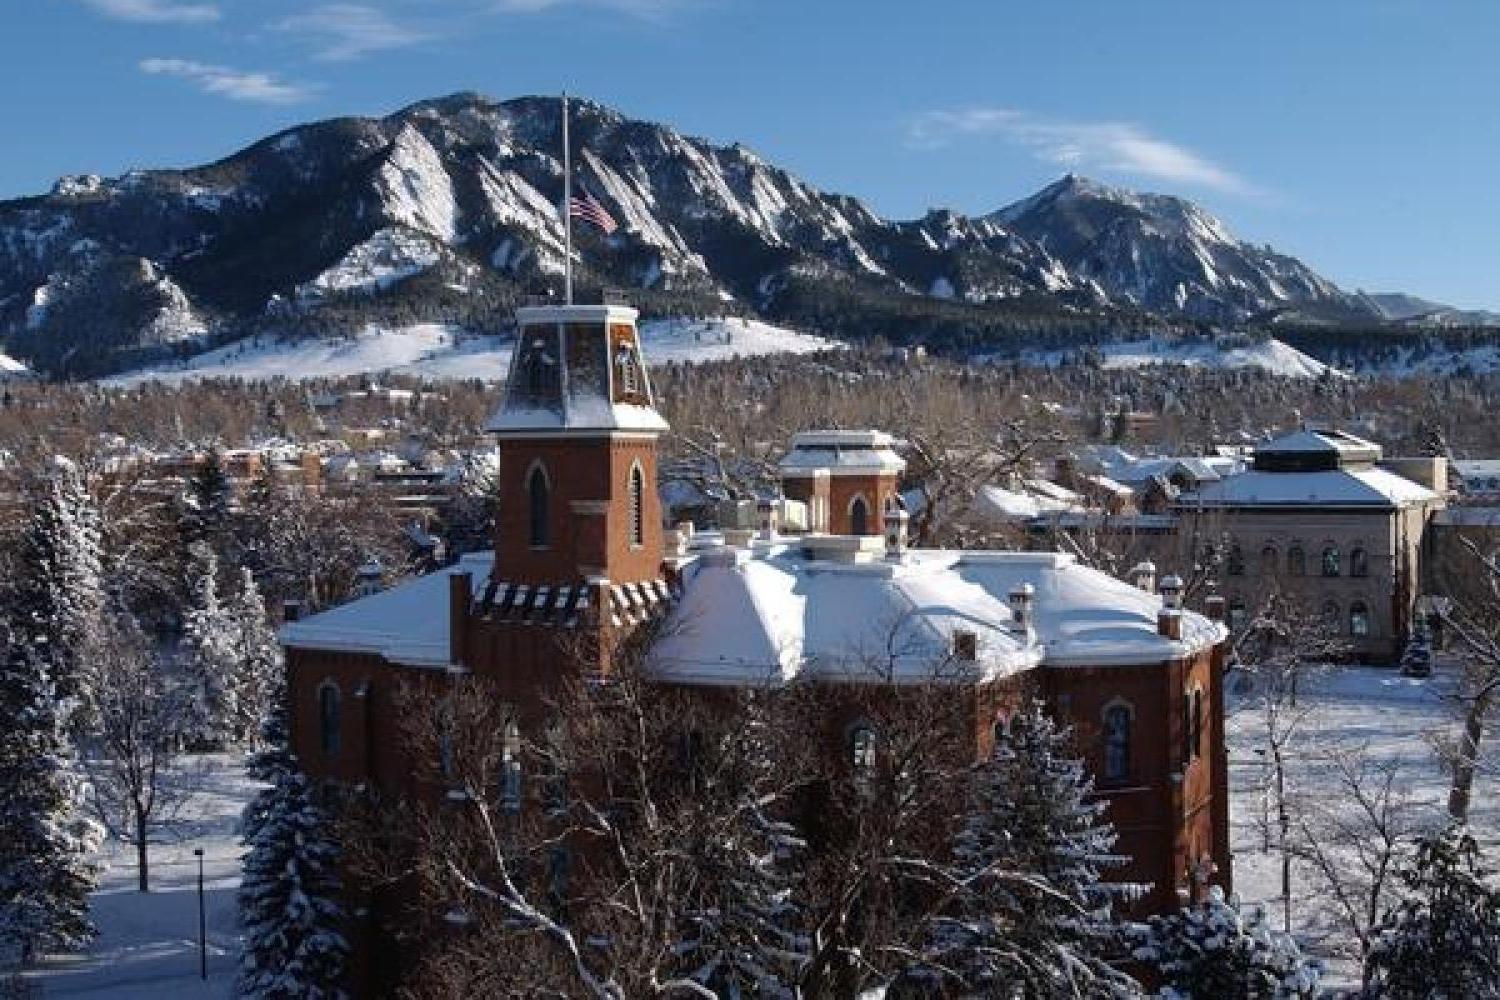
[1268,355]
[437,351]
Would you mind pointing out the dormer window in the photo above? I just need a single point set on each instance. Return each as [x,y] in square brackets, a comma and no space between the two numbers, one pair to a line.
[965,646]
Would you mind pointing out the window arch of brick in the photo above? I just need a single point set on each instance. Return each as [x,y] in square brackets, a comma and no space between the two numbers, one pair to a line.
[330,717]
[1359,619]
[859,515]
[1331,564]
[1359,561]
[1296,560]
[1117,732]
[637,490]
[538,504]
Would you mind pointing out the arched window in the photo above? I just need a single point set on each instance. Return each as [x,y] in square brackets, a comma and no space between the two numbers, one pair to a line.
[859,516]
[1236,561]
[1239,615]
[330,721]
[862,746]
[1296,561]
[1331,614]
[1000,731]
[1187,728]
[1118,720]
[1268,561]
[1331,560]
[538,496]
[510,767]
[1198,722]
[1359,620]
[637,506]
[1359,563]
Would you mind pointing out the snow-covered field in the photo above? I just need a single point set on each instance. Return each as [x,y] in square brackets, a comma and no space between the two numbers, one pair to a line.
[438,351]
[1268,355]
[1391,720]
[147,947]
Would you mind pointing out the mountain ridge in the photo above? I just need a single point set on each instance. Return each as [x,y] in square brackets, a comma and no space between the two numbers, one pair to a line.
[443,211]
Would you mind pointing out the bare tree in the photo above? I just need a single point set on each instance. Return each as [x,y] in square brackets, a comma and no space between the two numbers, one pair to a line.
[139,725]
[1473,615]
[1355,837]
[1281,645]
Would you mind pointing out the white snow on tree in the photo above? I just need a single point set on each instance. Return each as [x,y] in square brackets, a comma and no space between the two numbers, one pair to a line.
[295,947]
[1032,909]
[258,667]
[1442,941]
[1416,658]
[1214,950]
[45,839]
[211,660]
[59,593]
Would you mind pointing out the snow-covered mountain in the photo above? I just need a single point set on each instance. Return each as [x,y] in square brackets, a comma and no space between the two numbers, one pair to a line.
[1412,310]
[443,212]
[1168,255]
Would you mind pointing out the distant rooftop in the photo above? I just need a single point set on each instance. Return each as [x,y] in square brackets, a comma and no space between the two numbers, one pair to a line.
[1315,451]
[842,453]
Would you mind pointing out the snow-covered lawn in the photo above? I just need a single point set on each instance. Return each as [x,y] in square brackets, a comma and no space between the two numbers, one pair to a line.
[147,948]
[1392,719]
[437,351]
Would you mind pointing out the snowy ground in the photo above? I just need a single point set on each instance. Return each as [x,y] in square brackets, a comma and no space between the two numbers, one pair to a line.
[1196,352]
[438,351]
[1392,718]
[147,947]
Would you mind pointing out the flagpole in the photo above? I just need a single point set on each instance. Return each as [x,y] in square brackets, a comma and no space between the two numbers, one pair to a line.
[567,207]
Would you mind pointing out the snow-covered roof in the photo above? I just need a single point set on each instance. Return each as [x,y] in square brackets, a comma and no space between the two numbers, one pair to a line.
[771,614]
[1001,504]
[842,453]
[1347,487]
[407,623]
[1487,517]
[1306,450]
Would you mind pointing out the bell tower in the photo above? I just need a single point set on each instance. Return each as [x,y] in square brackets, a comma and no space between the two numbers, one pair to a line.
[577,432]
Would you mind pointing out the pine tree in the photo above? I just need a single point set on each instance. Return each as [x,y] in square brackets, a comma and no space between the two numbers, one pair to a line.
[45,840]
[1442,941]
[206,516]
[59,591]
[1033,912]
[211,661]
[289,900]
[258,670]
[1213,950]
[1416,659]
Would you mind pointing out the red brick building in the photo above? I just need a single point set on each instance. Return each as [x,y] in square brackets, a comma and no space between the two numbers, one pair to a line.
[580,549]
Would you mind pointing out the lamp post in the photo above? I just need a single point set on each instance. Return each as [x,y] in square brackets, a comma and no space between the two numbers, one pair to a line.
[202,921]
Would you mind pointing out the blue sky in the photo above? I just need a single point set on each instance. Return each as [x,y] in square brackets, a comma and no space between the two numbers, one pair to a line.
[1358,135]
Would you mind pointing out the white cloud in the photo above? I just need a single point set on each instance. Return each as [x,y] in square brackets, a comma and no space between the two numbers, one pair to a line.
[350,30]
[650,9]
[1106,146]
[238,85]
[157,11]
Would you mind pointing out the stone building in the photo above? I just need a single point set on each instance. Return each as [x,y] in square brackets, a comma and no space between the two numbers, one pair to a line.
[580,551]
[1323,519]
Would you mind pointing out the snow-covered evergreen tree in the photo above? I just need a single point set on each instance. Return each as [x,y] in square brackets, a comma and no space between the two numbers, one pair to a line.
[258,671]
[59,592]
[1214,950]
[1033,909]
[45,840]
[1416,658]
[211,660]
[205,516]
[295,947]
[1442,941]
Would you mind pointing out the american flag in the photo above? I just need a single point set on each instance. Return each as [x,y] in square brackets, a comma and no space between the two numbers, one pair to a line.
[585,206]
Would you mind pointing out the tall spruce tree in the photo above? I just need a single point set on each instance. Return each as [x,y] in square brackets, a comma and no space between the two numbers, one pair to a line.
[211,660]
[1032,913]
[295,947]
[45,839]
[258,663]
[1442,941]
[59,592]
